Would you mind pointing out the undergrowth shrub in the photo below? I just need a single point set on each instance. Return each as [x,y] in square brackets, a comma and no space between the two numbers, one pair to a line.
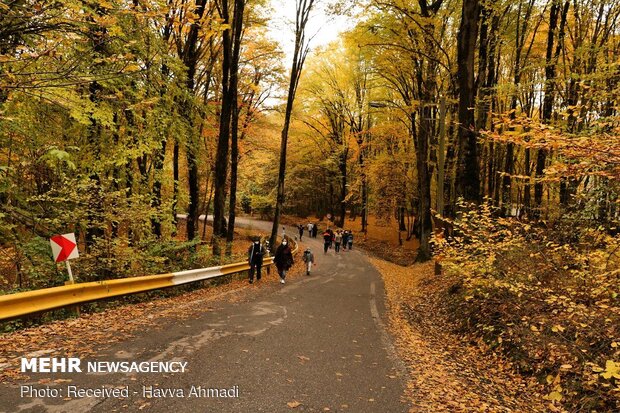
[548,301]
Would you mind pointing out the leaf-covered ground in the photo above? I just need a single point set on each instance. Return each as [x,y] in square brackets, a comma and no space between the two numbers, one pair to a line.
[447,372]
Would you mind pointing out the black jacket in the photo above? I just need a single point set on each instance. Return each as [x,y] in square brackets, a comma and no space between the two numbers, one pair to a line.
[256,253]
[283,258]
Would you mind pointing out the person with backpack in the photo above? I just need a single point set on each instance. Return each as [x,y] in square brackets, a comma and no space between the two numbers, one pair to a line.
[308,258]
[331,234]
[337,241]
[345,237]
[283,259]
[350,240]
[256,253]
[327,240]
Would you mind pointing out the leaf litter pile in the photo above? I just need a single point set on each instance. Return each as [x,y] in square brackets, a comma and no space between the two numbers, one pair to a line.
[448,373]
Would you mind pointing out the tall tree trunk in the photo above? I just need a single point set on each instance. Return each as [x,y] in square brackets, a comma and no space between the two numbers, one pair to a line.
[424,183]
[304,7]
[487,81]
[160,153]
[190,59]
[221,157]
[175,184]
[548,101]
[520,36]
[527,189]
[95,229]
[468,171]
[441,157]
[234,144]
[342,166]
[156,200]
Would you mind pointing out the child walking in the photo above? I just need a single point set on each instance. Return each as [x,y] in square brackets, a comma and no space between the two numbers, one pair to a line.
[308,258]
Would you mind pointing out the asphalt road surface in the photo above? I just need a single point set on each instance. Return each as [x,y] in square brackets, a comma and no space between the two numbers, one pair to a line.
[315,344]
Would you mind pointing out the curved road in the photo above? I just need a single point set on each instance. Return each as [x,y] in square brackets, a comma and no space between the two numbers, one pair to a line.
[315,344]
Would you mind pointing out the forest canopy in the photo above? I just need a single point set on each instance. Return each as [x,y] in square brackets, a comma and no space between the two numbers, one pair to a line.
[488,130]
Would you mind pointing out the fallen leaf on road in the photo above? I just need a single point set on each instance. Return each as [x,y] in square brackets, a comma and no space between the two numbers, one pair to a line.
[293,405]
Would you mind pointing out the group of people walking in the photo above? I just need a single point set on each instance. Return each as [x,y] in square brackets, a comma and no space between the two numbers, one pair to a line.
[283,257]
[313,230]
[338,239]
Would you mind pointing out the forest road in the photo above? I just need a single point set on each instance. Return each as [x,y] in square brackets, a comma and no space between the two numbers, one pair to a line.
[314,344]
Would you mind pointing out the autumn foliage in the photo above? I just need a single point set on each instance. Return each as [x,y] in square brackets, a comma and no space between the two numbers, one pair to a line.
[545,298]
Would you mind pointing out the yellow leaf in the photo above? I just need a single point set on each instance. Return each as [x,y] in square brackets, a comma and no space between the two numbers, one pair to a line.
[554,396]
[293,405]
[557,328]
[612,369]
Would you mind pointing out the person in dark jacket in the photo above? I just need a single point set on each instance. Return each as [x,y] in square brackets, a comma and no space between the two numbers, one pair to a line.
[327,241]
[331,232]
[256,252]
[283,259]
[300,227]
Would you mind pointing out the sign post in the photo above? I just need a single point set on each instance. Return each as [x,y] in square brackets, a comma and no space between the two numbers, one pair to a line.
[64,248]
[70,272]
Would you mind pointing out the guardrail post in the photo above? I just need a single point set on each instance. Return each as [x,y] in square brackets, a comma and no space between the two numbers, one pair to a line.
[74,309]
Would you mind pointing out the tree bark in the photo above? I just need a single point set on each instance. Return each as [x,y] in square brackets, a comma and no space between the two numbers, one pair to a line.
[304,7]
[468,171]
[423,218]
[342,166]
[234,144]
[190,59]
[551,58]
[441,158]
[221,157]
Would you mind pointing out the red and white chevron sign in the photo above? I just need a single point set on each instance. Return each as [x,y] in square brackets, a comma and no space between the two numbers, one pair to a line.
[64,247]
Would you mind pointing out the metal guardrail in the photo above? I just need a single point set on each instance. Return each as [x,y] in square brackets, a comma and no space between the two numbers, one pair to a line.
[29,302]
